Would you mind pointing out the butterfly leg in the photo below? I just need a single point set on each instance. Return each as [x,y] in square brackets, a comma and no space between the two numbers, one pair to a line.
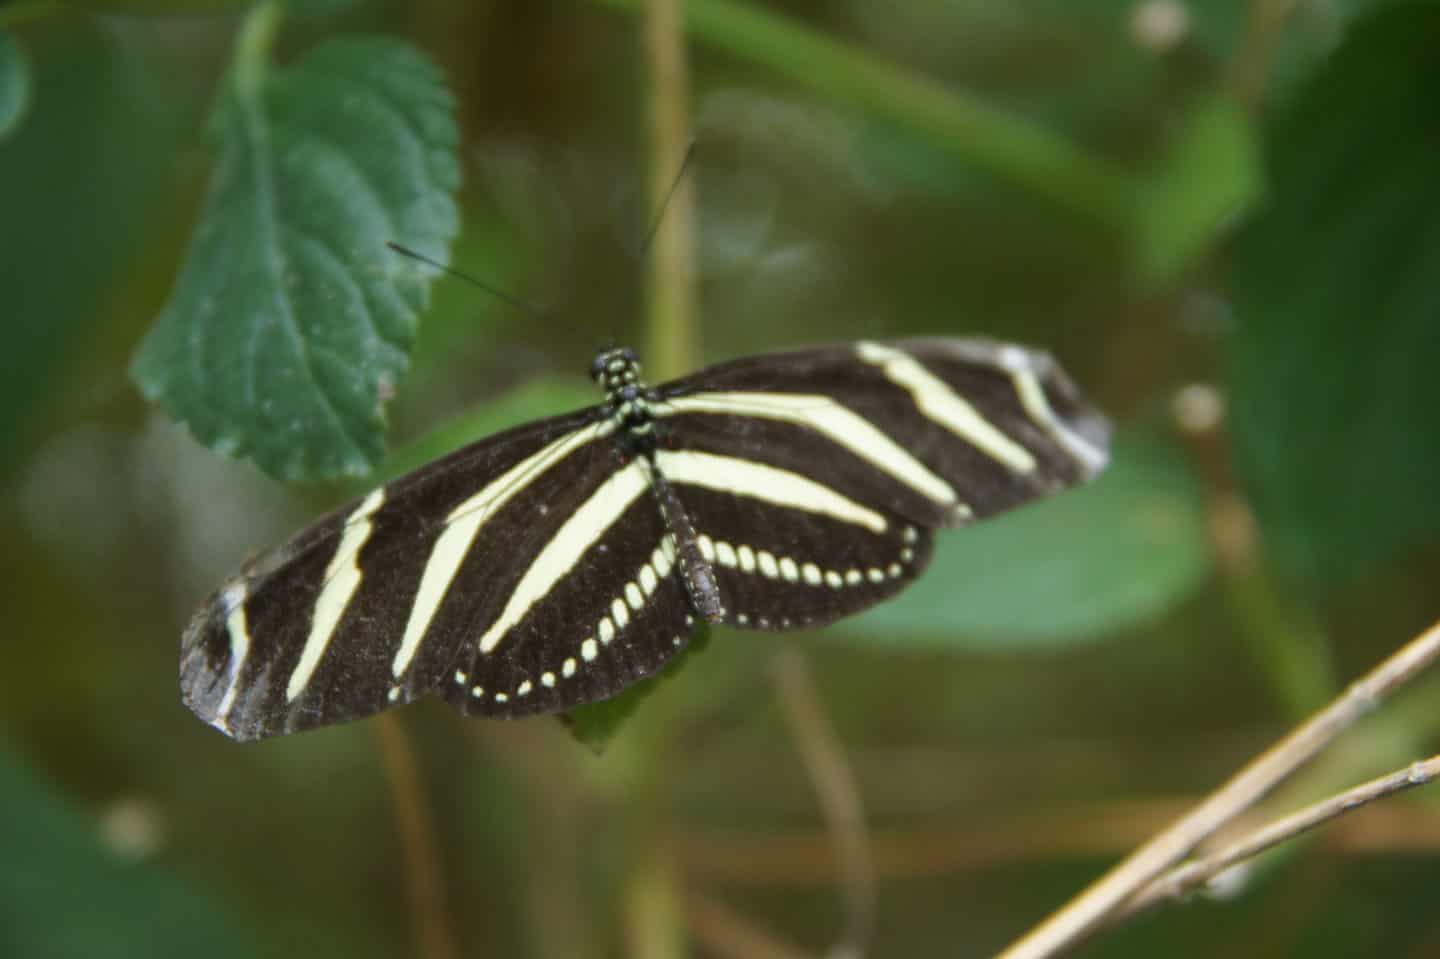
[695,570]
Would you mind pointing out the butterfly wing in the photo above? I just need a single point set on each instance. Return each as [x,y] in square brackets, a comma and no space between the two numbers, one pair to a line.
[372,604]
[815,477]
[598,605]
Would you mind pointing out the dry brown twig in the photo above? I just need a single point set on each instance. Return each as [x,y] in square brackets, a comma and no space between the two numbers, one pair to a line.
[1108,896]
[1195,875]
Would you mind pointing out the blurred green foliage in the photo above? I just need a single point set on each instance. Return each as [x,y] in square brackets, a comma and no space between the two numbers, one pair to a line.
[14,84]
[64,893]
[1339,310]
[1242,202]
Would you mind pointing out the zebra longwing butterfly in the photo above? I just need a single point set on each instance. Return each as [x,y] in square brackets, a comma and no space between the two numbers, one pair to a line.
[563,560]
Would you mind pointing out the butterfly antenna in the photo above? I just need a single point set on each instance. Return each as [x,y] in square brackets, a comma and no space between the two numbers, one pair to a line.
[500,295]
[669,195]
[632,296]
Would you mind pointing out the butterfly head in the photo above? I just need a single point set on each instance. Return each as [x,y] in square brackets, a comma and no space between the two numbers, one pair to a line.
[614,369]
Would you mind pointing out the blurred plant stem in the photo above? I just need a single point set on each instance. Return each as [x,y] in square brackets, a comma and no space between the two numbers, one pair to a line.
[964,126]
[654,917]
[672,339]
[252,47]
[1248,71]
[424,882]
[841,804]
[1288,644]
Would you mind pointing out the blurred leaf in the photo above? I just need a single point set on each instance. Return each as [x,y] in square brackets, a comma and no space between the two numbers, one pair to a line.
[1094,560]
[1312,31]
[80,184]
[1335,397]
[291,323]
[1210,175]
[62,893]
[14,83]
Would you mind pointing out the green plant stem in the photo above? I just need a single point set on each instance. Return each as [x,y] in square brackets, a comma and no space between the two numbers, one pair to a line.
[653,914]
[1286,641]
[962,125]
[253,46]
[672,335]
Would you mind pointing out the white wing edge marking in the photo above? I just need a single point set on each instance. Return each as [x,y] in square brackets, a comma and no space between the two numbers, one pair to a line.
[832,420]
[938,402]
[238,630]
[1032,397]
[342,578]
[729,474]
[578,533]
[463,525]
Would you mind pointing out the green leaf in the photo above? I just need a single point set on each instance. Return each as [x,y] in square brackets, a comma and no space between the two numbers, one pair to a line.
[14,83]
[1335,401]
[291,322]
[1115,553]
[63,893]
[1210,175]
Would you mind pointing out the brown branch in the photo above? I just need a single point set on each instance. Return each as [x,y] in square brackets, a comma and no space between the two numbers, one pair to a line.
[806,859]
[1249,69]
[727,934]
[839,797]
[1185,879]
[424,883]
[1094,907]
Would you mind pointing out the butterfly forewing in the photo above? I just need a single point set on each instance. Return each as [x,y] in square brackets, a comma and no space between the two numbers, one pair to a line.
[309,634]
[948,430]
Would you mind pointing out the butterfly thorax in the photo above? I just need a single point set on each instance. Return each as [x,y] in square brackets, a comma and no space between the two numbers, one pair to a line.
[617,371]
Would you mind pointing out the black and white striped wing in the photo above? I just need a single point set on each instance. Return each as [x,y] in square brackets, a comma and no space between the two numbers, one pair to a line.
[384,600]
[814,478]
[593,605]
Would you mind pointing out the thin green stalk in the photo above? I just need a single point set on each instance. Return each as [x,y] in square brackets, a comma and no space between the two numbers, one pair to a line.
[655,922]
[672,336]
[1286,641]
[253,46]
[654,918]
[965,126]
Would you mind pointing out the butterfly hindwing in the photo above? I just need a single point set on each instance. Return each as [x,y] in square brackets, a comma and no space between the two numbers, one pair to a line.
[600,608]
[783,568]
